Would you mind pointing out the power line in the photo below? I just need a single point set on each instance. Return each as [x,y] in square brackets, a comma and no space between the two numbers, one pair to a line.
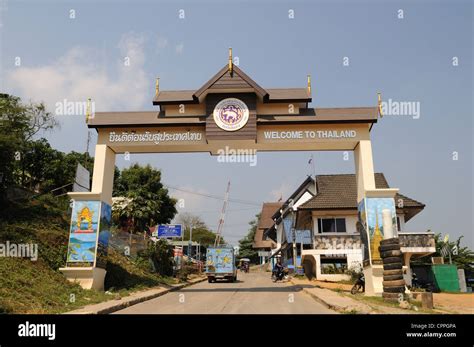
[210,196]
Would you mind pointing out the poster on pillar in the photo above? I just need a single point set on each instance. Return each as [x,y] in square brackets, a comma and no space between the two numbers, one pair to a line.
[377,214]
[83,232]
[362,229]
[104,235]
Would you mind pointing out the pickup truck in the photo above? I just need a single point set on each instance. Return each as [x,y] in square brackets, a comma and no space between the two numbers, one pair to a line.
[220,264]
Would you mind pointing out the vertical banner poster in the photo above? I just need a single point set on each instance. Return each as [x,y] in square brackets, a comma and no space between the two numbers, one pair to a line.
[374,222]
[83,232]
[104,235]
[362,229]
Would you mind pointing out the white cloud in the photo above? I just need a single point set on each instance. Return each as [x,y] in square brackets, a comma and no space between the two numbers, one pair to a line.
[283,191]
[179,48]
[81,73]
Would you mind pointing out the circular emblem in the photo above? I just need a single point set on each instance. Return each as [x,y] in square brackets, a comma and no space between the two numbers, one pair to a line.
[231,114]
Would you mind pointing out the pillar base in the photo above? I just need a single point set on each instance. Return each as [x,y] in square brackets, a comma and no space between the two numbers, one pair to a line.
[373,280]
[86,277]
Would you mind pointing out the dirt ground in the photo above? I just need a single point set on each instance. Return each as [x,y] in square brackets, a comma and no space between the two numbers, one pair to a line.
[459,302]
[452,302]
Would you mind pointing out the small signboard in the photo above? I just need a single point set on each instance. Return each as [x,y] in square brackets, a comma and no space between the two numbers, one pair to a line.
[169,230]
[264,253]
[82,179]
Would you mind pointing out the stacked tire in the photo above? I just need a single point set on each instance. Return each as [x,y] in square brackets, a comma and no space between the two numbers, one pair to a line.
[393,282]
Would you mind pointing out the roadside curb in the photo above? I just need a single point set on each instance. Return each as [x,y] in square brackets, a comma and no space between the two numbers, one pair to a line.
[127,301]
[318,299]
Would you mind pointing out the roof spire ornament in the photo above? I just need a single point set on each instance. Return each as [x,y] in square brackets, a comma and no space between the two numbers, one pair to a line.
[379,104]
[231,65]
[88,110]
[309,84]
[157,86]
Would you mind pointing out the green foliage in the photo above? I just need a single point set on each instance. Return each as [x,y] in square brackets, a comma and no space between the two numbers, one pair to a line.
[463,259]
[160,254]
[201,233]
[246,249]
[148,201]
[19,123]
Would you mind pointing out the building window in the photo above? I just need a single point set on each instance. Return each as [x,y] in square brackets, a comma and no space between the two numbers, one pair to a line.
[331,225]
[334,264]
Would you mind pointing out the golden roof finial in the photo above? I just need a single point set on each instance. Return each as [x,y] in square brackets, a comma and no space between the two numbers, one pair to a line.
[309,84]
[231,65]
[157,86]
[88,110]
[379,103]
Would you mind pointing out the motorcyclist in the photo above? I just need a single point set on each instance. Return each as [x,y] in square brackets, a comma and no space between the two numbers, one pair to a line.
[278,268]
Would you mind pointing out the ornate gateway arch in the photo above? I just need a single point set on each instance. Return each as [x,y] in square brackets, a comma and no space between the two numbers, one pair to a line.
[229,111]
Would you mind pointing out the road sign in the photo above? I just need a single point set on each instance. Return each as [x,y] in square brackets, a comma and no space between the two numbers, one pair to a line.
[170,230]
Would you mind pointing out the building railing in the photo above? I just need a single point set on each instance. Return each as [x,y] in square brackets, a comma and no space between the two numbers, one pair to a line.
[337,241]
[417,239]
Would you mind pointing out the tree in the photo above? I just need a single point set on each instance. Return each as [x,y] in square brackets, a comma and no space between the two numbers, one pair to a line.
[246,249]
[148,202]
[19,123]
[201,233]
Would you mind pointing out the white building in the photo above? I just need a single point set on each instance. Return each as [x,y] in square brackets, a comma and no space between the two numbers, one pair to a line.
[323,216]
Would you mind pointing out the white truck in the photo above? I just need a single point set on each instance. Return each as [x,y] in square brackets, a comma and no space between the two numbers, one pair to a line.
[220,264]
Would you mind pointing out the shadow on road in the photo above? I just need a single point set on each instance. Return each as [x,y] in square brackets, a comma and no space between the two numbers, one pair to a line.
[218,289]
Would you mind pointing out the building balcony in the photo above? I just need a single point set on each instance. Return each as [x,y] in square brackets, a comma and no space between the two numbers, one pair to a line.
[422,243]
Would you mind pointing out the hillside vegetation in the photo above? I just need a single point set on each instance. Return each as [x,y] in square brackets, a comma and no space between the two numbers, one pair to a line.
[28,286]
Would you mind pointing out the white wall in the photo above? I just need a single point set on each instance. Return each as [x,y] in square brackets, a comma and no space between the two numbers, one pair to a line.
[354,258]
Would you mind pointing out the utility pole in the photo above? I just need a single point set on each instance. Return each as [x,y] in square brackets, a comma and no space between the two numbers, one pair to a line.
[221,220]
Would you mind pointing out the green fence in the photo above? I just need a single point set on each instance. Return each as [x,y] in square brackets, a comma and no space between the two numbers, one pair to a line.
[446,277]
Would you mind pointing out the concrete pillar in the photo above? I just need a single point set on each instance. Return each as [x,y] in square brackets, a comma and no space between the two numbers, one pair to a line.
[103,176]
[102,185]
[364,168]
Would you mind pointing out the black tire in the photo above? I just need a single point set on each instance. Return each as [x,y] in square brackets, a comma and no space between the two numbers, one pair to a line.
[392,253]
[384,248]
[392,241]
[355,289]
[393,272]
[391,296]
[396,283]
[394,289]
[393,266]
[210,279]
[392,277]
[391,260]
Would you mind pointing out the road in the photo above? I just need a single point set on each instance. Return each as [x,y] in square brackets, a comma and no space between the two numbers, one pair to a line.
[252,293]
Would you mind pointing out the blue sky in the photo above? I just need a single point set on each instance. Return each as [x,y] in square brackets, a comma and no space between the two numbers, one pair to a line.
[408,59]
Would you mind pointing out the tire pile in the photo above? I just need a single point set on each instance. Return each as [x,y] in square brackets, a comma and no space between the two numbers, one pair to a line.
[393,282]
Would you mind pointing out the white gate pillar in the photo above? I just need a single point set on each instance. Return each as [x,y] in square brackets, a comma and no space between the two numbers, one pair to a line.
[92,275]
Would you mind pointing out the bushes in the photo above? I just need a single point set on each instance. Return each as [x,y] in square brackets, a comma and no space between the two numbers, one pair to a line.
[160,254]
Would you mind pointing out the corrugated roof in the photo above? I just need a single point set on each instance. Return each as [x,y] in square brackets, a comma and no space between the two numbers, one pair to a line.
[340,191]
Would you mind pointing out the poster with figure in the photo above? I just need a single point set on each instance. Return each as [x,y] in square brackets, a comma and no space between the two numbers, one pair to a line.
[362,229]
[375,224]
[104,234]
[83,232]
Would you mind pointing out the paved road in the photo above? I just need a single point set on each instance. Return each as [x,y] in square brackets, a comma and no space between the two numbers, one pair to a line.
[252,293]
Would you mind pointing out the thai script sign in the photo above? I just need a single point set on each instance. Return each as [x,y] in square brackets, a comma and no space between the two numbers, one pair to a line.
[156,138]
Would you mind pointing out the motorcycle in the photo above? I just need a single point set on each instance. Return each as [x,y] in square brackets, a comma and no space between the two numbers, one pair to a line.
[359,284]
[280,275]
